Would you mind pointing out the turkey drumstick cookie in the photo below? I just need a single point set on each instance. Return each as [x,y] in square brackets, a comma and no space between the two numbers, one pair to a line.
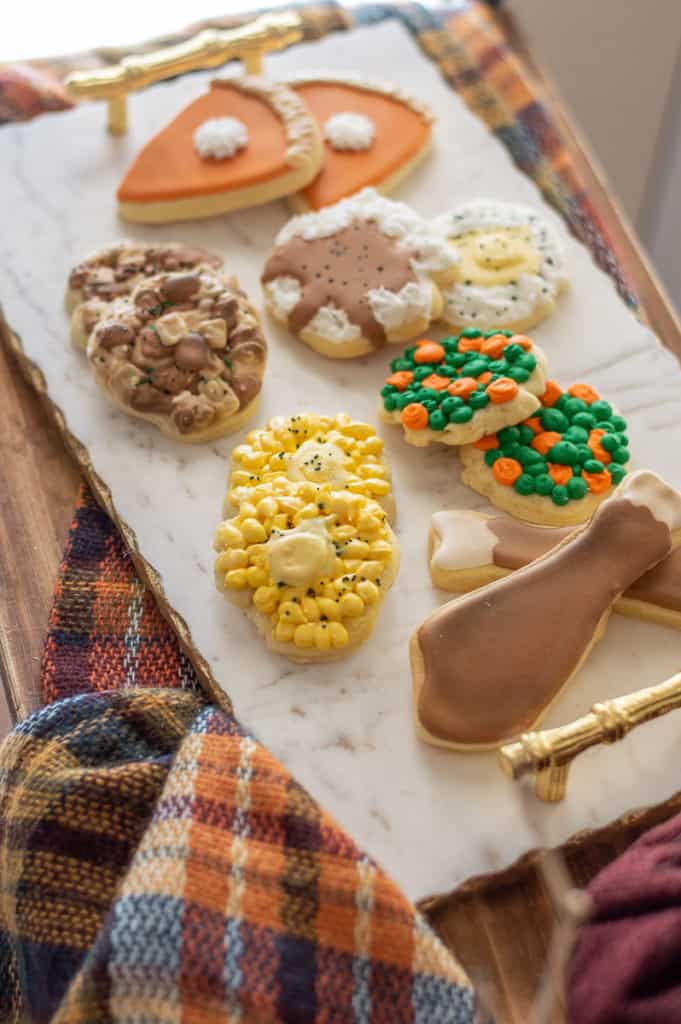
[488,665]
[457,390]
[356,275]
[468,550]
[115,272]
[184,351]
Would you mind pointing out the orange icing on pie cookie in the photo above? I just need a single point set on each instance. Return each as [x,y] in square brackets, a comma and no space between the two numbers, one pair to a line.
[400,133]
[169,166]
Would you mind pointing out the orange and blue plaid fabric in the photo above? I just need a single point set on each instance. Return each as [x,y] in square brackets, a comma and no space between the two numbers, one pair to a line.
[156,862]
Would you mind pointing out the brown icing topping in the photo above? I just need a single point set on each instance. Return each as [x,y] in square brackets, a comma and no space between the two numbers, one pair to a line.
[519,543]
[495,659]
[166,350]
[340,271]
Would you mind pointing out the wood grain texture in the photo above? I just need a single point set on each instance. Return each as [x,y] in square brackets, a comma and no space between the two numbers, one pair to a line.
[499,925]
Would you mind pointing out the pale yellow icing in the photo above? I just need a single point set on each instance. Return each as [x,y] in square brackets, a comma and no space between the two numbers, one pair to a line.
[496,256]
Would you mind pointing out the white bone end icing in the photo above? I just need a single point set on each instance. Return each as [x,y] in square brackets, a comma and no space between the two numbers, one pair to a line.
[302,555]
[349,131]
[646,488]
[465,541]
[220,138]
[318,461]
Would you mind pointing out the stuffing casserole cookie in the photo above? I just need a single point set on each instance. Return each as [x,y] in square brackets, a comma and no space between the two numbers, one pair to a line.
[310,553]
[184,351]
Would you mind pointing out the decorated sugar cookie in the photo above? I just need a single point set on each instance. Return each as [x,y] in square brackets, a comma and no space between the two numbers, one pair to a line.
[244,142]
[488,665]
[459,389]
[333,450]
[511,270]
[184,351]
[114,272]
[557,465]
[468,550]
[310,554]
[356,275]
[374,134]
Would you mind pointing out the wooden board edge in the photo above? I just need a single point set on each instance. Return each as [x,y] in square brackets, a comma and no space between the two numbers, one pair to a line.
[148,574]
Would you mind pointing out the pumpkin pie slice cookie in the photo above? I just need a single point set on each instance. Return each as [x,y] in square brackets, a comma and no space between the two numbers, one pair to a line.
[353,276]
[374,134]
[459,389]
[511,268]
[114,272]
[184,351]
[558,465]
[244,142]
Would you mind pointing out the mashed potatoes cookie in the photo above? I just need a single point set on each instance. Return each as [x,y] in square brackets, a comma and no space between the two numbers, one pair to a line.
[457,390]
[356,275]
[184,351]
[556,466]
[511,269]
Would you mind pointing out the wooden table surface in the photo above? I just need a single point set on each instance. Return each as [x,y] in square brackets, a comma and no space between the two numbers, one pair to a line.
[499,926]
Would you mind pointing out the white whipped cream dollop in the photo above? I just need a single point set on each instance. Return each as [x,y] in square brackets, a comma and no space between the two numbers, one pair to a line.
[220,137]
[348,131]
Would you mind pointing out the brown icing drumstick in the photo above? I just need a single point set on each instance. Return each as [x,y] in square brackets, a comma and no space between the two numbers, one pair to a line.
[469,549]
[480,671]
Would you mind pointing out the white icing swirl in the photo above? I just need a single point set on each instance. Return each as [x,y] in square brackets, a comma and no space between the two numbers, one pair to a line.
[220,138]
[349,131]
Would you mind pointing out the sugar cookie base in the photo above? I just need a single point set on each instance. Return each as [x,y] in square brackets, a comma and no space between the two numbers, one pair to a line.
[485,421]
[533,508]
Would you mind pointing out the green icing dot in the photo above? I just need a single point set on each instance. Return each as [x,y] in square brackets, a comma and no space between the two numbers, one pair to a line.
[446,370]
[400,364]
[509,435]
[609,442]
[492,454]
[518,373]
[450,403]
[584,453]
[478,400]
[409,352]
[526,434]
[619,423]
[621,455]
[513,450]
[593,466]
[536,468]
[497,366]
[405,399]
[387,389]
[492,334]
[437,420]
[528,361]
[561,401]
[559,495]
[544,484]
[421,372]
[513,352]
[429,403]
[578,435]
[462,415]
[458,359]
[576,487]
[474,367]
[617,473]
[470,332]
[563,452]
[601,410]
[525,484]
[553,419]
[389,403]
[585,420]
[573,406]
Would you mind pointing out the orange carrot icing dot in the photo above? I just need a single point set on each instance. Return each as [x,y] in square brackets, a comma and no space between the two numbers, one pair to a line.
[502,390]
[494,346]
[487,442]
[415,416]
[400,380]
[506,471]
[597,482]
[559,474]
[463,387]
[429,352]
[470,344]
[485,377]
[534,423]
[522,340]
[435,382]
[552,393]
[594,444]
[542,442]
[585,392]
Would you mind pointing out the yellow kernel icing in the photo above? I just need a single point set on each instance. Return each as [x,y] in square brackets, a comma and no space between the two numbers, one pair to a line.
[311,451]
[313,559]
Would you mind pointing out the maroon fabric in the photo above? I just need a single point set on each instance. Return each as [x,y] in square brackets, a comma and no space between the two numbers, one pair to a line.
[626,968]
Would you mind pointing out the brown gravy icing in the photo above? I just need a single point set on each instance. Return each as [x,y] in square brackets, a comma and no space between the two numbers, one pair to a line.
[340,271]
[520,543]
[495,658]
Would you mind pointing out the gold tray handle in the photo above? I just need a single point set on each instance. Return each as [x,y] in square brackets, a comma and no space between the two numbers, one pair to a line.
[208,49]
[548,754]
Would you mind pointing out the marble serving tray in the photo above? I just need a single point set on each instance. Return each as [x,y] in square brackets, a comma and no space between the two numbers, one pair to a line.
[432,818]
